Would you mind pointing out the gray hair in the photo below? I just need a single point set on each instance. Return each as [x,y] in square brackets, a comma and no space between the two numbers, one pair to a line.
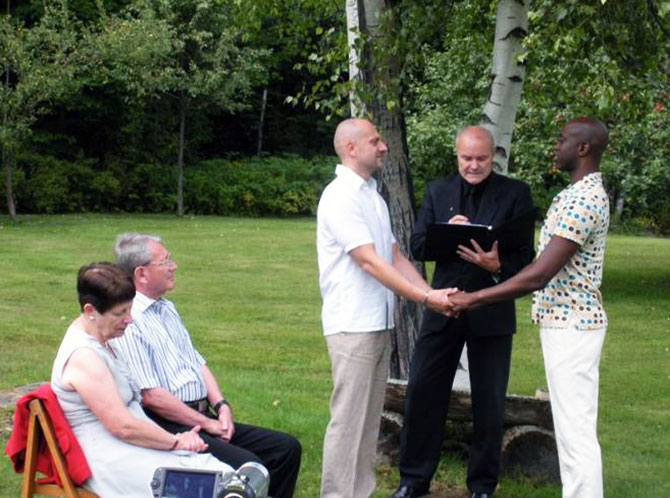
[130,250]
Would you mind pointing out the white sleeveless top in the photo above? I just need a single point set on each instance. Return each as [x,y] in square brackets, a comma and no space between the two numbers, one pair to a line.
[120,469]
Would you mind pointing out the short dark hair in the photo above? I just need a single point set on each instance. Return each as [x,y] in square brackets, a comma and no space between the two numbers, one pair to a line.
[103,285]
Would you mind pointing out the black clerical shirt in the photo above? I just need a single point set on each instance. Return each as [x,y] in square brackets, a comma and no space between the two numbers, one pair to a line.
[471,196]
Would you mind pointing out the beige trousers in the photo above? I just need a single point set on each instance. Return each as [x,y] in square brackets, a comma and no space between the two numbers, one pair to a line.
[571,362]
[359,366]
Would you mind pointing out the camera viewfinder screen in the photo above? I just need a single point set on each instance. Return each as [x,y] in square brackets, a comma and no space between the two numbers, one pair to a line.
[188,484]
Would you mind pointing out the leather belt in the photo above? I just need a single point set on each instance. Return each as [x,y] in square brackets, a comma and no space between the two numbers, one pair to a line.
[200,405]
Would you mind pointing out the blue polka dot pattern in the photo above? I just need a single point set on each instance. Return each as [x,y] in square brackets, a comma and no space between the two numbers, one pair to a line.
[579,213]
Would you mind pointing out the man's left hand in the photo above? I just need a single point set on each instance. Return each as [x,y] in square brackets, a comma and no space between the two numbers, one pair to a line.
[227,425]
[461,301]
[489,261]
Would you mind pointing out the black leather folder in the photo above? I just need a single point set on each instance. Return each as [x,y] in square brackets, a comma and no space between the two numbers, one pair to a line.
[443,239]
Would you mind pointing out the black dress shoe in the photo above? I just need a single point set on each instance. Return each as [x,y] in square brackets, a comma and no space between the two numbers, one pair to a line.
[407,492]
[482,495]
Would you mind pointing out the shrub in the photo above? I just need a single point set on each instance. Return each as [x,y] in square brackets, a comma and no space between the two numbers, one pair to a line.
[287,185]
[52,185]
[146,188]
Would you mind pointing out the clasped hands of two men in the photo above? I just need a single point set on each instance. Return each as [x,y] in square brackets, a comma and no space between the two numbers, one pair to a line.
[452,301]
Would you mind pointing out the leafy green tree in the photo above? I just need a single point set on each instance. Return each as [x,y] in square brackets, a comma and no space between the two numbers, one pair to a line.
[607,60]
[289,29]
[40,64]
[610,61]
[210,64]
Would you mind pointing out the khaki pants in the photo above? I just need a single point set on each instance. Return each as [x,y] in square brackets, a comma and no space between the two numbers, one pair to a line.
[359,365]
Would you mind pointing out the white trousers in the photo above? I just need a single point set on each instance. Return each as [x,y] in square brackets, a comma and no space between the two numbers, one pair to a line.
[571,362]
[359,364]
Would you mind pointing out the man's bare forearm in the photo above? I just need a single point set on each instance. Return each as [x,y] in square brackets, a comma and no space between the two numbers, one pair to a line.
[168,406]
[409,271]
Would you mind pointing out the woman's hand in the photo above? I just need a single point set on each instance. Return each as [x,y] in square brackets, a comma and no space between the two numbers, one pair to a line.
[190,440]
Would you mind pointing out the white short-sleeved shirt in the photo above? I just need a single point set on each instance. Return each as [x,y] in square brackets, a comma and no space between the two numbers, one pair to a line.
[579,213]
[351,213]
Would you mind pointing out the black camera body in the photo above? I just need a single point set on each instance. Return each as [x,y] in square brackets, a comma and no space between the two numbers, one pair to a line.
[251,480]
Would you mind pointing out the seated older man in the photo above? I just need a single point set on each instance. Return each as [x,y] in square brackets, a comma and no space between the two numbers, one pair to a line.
[178,389]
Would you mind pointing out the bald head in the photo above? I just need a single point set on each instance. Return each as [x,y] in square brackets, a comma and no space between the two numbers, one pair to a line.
[359,146]
[348,131]
[591,131]
[580,146]
[478,133]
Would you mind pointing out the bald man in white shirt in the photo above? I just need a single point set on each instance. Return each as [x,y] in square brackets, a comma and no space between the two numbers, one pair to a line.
[360,268]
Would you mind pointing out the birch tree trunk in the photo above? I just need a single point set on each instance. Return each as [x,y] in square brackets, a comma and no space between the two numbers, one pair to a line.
[261,122]
[507,75]
[396,179]
[180,157]
[499,113]
[354,28]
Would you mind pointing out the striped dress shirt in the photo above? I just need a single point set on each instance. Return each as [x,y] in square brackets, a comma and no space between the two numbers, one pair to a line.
[159,351]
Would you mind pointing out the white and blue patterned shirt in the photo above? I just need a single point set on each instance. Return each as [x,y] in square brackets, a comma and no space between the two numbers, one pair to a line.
[579,213]
[159,351]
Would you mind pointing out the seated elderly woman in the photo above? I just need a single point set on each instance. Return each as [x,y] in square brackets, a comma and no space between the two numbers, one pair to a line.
[122,445]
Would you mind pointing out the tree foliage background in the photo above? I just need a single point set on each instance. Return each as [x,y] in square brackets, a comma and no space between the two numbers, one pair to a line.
[583,58]
[102,136]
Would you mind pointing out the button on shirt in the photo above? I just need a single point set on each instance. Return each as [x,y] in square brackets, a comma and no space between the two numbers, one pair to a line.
[351,213]
[579,213]
[159,352]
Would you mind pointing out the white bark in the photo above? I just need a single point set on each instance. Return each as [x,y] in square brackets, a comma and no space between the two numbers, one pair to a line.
[261,122]
[507,77]
[353,33]
[499,114]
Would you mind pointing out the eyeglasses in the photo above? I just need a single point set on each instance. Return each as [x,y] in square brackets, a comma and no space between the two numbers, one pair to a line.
[162,262]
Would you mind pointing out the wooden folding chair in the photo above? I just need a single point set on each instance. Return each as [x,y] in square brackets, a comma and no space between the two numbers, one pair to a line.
[39,425]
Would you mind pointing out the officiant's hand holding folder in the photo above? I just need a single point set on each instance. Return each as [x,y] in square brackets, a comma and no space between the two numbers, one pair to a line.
[443,239]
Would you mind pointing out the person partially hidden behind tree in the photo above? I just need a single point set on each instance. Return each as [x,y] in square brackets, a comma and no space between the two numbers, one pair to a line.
[567,303]
[178,389]
[475,195]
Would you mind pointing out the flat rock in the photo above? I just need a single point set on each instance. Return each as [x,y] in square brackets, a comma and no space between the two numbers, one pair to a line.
[8,398]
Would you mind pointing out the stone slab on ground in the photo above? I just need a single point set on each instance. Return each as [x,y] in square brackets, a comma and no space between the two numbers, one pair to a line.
[8,398]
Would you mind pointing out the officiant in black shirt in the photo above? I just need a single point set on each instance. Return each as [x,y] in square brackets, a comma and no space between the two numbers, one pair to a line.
[475,195]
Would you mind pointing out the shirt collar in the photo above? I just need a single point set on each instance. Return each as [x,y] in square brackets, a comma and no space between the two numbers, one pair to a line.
[350,177]
[476,189]
[590,179]
[142,302]
[596,177]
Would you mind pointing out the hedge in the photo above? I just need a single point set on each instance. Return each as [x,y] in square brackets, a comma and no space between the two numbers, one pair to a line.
[286,185]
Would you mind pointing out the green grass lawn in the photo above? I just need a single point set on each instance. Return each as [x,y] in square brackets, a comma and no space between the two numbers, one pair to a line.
[248,292]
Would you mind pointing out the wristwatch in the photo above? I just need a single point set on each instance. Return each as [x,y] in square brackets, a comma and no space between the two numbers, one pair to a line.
[496,276]
[218,405]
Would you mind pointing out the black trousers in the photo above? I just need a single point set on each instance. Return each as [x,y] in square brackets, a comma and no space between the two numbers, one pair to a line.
[434,364]
[280,453]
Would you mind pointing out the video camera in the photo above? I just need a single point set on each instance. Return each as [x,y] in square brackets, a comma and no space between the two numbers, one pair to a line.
[251,480]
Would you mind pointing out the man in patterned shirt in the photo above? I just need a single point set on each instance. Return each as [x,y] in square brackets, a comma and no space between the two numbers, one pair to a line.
[568,305]
[179,391]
